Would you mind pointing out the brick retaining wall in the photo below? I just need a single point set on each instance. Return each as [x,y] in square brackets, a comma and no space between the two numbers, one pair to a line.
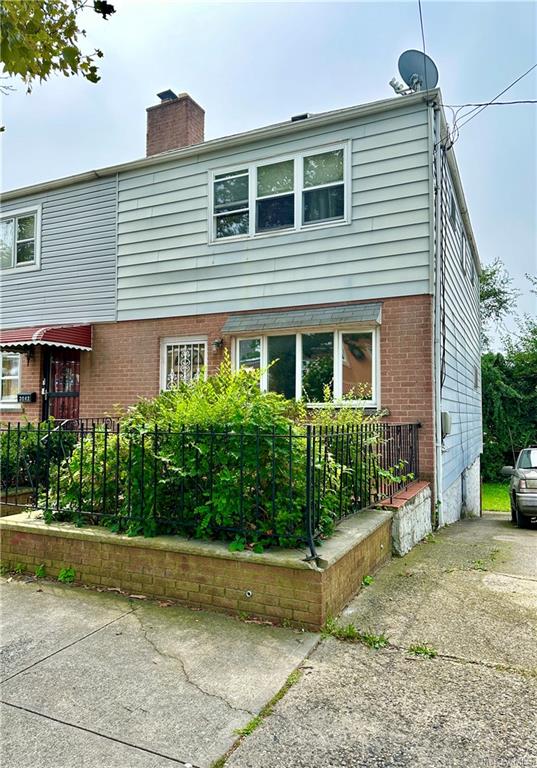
[205,574]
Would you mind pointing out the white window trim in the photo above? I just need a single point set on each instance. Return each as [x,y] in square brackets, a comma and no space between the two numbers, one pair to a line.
[165,342]
[337,372]
[299,189]
[36,264]
[11,405]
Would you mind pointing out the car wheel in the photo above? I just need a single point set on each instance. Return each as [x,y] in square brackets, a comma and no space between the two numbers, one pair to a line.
[513,510]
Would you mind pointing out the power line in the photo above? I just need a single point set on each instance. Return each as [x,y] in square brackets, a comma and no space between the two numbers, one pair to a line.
[478,109]
[423,45]
[490,103]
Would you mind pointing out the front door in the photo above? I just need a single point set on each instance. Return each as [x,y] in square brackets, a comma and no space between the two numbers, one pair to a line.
[61,383]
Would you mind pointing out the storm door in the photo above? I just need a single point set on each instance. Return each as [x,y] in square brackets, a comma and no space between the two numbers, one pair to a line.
[61,383]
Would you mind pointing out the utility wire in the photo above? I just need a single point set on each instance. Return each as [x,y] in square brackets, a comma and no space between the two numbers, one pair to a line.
[477,110]
[423,45]
[489,103]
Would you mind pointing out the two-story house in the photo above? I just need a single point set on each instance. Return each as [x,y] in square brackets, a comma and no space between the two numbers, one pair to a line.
[337,244]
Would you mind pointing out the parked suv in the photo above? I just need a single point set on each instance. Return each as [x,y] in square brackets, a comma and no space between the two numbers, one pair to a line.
[523,487]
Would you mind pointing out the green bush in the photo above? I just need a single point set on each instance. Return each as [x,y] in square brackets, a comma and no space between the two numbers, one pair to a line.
[26,451]
[216,458]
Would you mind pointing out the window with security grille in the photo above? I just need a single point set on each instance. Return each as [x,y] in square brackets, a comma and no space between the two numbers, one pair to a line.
[182,361]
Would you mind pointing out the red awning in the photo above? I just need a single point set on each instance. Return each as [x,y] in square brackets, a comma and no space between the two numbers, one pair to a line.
[72,336]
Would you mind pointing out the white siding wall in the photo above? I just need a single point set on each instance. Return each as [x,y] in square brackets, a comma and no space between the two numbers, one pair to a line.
[167,267]
[77,279]
[462,345]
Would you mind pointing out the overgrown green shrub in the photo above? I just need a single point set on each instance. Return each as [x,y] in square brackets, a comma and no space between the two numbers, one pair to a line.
[25,452]
[216,458]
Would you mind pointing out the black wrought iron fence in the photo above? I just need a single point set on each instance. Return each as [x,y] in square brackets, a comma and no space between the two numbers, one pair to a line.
[285,486]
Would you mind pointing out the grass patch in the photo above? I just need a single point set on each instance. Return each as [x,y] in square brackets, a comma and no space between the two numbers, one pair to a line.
[496,497]
[349,633]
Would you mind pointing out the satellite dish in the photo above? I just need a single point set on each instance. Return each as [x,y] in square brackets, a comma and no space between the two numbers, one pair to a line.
[418,70]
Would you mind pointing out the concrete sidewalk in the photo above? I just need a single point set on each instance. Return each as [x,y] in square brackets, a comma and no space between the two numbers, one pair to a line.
[471,593]
[97,680]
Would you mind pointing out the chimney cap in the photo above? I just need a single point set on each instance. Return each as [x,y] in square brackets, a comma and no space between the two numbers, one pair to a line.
[168,95]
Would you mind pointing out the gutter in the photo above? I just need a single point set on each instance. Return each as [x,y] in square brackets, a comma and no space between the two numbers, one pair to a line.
[437,352]
[196,151]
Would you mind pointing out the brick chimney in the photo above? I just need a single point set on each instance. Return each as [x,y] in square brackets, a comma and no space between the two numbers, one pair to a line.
[174,123]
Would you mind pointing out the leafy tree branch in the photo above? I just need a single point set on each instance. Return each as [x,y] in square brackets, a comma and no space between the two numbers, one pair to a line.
[41,38]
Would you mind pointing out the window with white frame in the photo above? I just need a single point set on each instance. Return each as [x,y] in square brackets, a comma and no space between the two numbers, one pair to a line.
[19,240]
[10,379]
[182,361]
[290,193]
[311,365]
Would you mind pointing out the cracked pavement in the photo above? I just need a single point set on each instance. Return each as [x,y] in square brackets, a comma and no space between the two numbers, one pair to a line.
[471,594]
[94,679]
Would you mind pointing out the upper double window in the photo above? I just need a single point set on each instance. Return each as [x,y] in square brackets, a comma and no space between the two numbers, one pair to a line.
[292,193]
[19,240]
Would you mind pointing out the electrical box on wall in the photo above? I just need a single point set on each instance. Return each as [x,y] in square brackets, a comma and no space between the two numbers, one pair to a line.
[446,423]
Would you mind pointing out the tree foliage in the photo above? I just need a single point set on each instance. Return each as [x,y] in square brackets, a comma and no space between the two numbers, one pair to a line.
[42,37]
[497,295]
[509,382]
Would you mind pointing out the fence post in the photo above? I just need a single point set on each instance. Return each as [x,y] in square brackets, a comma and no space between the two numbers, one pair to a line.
[309,479]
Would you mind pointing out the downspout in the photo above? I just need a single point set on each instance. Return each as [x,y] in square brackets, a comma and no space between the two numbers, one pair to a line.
[438,474]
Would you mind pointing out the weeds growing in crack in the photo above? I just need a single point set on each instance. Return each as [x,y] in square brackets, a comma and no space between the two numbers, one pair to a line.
[424,650]
[349,633]
[256,721]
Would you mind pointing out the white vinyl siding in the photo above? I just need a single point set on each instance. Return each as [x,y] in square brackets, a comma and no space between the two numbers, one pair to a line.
[167,265]
[76,281]
[461,389]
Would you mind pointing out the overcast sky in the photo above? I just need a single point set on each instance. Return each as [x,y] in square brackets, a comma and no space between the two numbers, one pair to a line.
[250,64]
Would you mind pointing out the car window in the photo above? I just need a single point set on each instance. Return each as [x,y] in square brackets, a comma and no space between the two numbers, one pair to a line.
[528,459]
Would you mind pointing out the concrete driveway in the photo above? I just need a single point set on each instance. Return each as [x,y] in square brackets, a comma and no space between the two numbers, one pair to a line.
[97,680]
[471,594]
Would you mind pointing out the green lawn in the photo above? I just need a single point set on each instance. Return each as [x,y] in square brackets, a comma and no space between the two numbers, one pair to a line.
[496,497]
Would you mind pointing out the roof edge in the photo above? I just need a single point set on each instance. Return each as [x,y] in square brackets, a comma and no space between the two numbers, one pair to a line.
[276,129]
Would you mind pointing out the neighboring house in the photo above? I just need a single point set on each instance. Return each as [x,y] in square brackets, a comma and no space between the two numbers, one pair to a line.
[321,242]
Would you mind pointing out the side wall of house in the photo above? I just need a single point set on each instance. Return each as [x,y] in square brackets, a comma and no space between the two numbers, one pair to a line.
[76,281]
[168,267]
[461,362]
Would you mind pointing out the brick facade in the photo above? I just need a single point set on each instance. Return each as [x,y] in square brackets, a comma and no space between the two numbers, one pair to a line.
[125,365]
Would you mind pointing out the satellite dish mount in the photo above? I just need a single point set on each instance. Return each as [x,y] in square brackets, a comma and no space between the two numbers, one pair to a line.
[418,71]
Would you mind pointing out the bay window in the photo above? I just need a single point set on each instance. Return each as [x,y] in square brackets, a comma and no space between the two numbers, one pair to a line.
[315,366]
[290,193]
[19,240]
